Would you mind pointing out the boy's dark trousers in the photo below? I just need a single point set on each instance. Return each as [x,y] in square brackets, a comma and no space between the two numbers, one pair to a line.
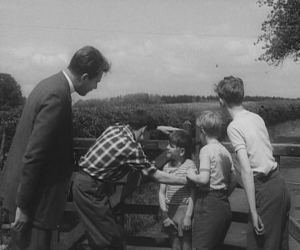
[273,206]
[212,218]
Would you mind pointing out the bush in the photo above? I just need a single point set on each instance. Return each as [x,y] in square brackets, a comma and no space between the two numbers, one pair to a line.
[91,119]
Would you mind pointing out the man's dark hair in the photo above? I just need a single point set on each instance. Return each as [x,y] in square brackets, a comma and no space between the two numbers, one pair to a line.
[182,139]
[88,60]
[231,89]
[141,118]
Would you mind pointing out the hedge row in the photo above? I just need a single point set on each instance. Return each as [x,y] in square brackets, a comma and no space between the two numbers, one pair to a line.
[92,121]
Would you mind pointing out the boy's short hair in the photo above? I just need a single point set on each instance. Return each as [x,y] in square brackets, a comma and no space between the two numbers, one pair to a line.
[88,60]
[212,123]
[231,89]
[182,139]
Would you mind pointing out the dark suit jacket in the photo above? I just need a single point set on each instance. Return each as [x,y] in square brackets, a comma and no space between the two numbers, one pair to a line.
[40,160]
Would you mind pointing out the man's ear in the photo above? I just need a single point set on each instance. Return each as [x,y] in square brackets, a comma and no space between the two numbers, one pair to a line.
[84,77]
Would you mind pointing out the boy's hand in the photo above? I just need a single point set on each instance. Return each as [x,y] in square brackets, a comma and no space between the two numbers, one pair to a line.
[187,223]
[258,225]
[168,222]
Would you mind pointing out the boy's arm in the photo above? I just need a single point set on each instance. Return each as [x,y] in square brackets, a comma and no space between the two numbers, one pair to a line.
[248,183]
[204,170]
[162,198]
[163,206]
[187,221]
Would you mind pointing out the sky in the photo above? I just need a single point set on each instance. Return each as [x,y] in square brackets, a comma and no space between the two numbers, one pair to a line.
[166,47]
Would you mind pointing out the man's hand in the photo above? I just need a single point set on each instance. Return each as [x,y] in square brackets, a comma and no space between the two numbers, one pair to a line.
[258,224]
[21,219]
[168,223]
[187,223]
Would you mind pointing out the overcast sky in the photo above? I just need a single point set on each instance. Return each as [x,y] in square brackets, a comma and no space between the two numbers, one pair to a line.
[154,46]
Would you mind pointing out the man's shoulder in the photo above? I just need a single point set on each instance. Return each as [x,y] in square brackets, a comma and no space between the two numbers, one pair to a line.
[117,133]
[117,128]
[54,84]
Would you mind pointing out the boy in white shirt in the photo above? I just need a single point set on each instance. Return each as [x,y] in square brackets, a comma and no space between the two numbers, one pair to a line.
[215,180]
[265,189]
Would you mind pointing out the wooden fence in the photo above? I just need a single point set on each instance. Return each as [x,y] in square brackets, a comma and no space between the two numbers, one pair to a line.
[66,237]
[236,236]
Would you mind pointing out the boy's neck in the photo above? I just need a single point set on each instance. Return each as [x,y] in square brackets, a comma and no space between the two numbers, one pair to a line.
[234,110]
[211,140]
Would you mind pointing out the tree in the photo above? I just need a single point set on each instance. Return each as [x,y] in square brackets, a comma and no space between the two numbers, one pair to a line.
[281,31]
[10,92]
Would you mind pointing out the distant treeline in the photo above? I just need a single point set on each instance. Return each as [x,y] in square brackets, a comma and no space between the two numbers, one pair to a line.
[144,98]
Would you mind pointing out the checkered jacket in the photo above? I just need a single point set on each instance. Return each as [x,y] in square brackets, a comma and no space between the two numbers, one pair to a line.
[114,154]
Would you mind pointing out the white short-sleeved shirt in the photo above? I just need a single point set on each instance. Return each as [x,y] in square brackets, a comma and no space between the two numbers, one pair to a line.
[248,131]
[221,165]
[178,194]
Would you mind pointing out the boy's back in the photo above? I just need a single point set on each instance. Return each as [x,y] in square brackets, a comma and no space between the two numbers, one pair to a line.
[265,189]
[248,131]
[221,165]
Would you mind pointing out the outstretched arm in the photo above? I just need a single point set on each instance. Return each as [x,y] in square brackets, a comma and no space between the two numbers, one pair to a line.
[162,177]
[204,170]
[167,129]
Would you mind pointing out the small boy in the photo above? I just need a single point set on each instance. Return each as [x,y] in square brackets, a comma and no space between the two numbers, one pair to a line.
[215,181]
[265,189]
[176,202]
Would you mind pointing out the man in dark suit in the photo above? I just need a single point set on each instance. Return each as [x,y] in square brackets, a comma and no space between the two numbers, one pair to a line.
[40,161]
